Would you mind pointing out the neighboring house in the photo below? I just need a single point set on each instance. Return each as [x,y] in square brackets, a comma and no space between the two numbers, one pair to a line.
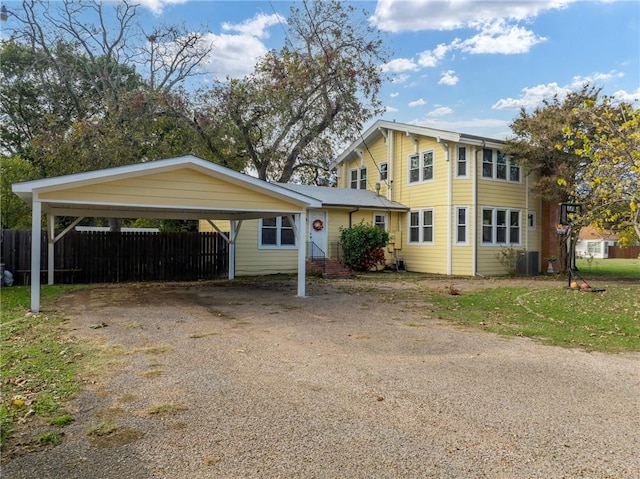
[594,242]
[449,201]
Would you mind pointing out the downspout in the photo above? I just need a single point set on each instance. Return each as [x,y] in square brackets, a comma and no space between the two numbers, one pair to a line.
[390,155]
[350,217]
[447,153]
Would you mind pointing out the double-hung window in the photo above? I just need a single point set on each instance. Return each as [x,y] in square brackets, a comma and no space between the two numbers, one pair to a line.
[421,166]
[487,163]
[421,226]
[500,226]
[461,165]
[277,232]
[384,171]
[358,179]
[501,166]
[462,226]
[380,220]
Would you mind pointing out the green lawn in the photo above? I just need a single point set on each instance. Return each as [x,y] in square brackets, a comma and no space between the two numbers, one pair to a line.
[604,321]
[609,268]
[37,368]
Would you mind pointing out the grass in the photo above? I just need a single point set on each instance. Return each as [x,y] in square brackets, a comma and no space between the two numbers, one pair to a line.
[609,268]
[37,367]
[607,321]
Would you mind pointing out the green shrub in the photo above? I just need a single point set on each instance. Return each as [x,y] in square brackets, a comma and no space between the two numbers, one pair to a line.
[363,245]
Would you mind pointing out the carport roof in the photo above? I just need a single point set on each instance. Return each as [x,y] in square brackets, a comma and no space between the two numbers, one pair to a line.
[116,207]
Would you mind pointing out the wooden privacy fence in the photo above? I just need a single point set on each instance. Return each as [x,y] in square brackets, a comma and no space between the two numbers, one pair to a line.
[110,257]
[624,252]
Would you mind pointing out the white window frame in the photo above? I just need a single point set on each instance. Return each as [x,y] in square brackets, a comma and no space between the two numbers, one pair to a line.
[360,178]
[383,171]
[278,228]
[465,162]
[465,225]
[498,161]
[376,220]
[421,226]
[506,227]
[593,251]
[421,167]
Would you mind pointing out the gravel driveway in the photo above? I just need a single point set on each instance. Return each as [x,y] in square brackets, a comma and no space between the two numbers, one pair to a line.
[355,381]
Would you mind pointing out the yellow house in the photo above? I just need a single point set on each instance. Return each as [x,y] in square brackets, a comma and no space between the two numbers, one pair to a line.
[467,201]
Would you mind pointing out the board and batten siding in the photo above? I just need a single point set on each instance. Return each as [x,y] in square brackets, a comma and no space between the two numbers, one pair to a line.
[186,187]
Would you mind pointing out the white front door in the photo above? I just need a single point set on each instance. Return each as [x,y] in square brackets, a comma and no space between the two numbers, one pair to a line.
[318,245]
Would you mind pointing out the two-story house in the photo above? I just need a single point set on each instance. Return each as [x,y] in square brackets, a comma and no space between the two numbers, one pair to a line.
[451,202]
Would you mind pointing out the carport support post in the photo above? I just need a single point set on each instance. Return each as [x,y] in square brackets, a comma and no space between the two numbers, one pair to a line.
[36,233]
[50,244]
[232,249]
[301,222]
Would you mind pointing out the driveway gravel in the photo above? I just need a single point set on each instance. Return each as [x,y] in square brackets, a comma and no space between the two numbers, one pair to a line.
[358,380]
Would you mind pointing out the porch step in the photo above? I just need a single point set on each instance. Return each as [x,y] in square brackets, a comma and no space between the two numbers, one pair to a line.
[328,268]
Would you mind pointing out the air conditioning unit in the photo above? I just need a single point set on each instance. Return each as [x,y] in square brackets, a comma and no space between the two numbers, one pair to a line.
[528,264]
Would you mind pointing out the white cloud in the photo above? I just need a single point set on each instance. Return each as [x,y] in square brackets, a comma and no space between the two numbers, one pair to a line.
[157,6]
[399,15]
[448,78]
[440,111]
[400,65]
[499,38]
[415,103]
[430,58]
[399,78]
[233,55]
[394,94]
[627,97]
[256,26]
[533,96]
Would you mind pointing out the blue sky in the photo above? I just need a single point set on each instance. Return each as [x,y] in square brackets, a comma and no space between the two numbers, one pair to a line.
[462,65]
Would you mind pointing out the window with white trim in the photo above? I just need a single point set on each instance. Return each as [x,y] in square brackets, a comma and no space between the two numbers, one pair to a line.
[594,247]
[487,163]
[500,226]
[421,226]
[384,171]
[277,232]
[462,226]
[461,165]
[358,179]
[380,220]
[531,220]
[499,166]
[421,166]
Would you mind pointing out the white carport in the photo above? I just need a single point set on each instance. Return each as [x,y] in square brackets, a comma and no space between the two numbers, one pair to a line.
[186,187]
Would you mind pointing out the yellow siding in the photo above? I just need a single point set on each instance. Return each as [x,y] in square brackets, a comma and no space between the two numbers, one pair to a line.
[185,187]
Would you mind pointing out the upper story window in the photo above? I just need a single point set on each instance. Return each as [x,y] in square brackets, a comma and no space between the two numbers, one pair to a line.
[461,165]
[500,226]
[499,166]
[277,232]
[421,226]
[384,171]
[358,179]
[421,167]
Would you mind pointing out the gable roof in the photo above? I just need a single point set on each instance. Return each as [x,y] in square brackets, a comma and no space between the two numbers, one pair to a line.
[593,233]
[345,197]
[52,192]
[380,128]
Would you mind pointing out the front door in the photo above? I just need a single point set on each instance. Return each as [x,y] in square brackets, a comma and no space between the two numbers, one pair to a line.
[318,245]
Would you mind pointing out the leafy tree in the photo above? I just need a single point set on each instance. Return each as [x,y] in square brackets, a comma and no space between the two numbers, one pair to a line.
[287,117]
[536,135]
[609,186]
[363,245]
[15,213]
